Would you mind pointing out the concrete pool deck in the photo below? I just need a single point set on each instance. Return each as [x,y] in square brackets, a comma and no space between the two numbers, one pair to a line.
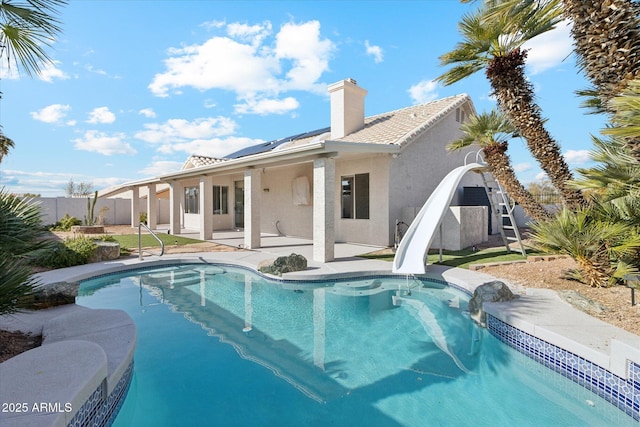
[536,312]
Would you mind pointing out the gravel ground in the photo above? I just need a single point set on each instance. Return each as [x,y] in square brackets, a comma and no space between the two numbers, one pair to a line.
[616,300]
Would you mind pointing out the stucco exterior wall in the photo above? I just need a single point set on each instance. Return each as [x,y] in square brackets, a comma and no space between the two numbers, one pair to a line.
[421,165]
[277,201]
[375,230]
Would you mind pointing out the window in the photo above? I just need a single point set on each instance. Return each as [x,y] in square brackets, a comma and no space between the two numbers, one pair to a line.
[191,200]
[355,196]
[220,200]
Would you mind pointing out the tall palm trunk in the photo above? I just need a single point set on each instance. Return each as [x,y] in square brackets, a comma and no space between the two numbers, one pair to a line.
[515,98]
[495,155]
[606,37]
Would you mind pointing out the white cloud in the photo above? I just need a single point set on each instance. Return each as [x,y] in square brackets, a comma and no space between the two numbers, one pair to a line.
[95,70]
[214,147]
[253,34]
[160,167]
[101,115]
[522,167]
[176,131]
[50,72]
[53,113]
[43,183]
[577,157]
[541,176]
[213,24]
[247,63]
[148,113]
[267,106]
[375,51]
[309,54]
[549,49]
[219,63]
[103,143]
[424,91]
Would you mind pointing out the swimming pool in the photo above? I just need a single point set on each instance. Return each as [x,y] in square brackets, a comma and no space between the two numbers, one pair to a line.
[219,345]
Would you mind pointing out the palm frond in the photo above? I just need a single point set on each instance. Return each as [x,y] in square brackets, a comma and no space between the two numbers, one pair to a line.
[26,30]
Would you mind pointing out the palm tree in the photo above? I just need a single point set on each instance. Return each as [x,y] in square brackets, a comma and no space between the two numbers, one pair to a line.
[607,41]
[26,28]
[491,131]
[626,112]
[5,145]
[493,41]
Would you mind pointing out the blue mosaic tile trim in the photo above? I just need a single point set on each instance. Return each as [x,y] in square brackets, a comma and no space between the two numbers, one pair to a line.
[623,394]
[97,411]
[88,410]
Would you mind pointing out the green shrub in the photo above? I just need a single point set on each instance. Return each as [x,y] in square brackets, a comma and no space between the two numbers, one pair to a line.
[73,251]
[65,223]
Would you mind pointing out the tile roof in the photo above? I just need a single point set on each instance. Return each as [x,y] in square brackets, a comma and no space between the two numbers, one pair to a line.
[195,161]
[397,127]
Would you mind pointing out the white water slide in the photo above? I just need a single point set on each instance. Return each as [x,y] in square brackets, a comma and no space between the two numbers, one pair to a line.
[411,254]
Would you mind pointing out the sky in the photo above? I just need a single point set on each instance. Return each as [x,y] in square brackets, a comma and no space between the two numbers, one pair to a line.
[137,87]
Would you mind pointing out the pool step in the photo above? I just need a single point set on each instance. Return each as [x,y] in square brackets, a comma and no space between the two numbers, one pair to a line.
[359,288]
[173,277]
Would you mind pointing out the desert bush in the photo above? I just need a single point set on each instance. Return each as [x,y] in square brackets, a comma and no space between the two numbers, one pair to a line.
[70,252]
[65,223]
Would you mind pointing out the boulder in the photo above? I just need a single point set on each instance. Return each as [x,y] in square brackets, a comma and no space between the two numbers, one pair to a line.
[105,251]
[494,291]
[283,264]
[54,294]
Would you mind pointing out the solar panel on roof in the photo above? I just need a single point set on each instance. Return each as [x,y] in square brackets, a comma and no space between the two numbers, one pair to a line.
[268,146]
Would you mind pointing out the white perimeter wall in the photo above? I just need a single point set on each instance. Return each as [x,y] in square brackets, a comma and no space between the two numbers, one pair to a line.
[117,210]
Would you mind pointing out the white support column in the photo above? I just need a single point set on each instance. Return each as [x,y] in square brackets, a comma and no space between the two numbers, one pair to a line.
[175,198]
[135,207]
[324,171]
[206,207]
[252,190]
[152,207]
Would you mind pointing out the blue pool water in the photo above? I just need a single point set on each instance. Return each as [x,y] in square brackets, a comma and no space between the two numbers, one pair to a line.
[222,346]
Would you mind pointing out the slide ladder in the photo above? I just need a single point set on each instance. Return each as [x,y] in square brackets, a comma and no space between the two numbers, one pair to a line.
[502,209]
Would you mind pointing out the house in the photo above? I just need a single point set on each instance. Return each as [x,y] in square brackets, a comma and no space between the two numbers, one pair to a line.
[349,182]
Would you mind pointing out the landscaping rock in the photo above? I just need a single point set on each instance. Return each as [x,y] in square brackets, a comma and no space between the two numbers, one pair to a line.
[55,294]
[283,264]
[105,251]
[494,291]
[581,302]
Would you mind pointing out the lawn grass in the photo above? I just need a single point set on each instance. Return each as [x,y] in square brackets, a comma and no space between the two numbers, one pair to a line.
[130,241]
[465,257]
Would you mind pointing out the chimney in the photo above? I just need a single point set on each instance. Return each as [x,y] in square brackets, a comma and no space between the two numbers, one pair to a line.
[347,108]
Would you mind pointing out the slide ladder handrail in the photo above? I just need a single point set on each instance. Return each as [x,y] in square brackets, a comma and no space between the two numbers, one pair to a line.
[502,209]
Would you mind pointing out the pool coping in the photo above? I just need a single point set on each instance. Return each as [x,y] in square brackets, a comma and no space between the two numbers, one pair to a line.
[538,315]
